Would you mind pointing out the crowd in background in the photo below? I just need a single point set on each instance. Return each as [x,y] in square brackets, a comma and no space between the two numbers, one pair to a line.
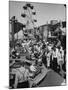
[51,54]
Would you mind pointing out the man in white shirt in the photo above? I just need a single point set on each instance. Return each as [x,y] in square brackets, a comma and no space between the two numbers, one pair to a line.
[21,75]
[54,58]
[60,58]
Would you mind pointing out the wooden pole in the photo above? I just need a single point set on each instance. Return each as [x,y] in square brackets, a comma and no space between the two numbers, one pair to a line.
[12,25]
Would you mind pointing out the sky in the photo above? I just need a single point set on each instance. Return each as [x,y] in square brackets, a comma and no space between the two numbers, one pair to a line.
[44,11]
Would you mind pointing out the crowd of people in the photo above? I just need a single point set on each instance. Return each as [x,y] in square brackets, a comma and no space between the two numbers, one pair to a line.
[37,53]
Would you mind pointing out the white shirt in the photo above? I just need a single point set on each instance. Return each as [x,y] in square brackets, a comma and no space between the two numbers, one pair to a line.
[23,73]
[55,53]
[60,57]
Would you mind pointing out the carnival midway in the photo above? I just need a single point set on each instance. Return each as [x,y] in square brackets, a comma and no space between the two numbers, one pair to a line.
[37,57]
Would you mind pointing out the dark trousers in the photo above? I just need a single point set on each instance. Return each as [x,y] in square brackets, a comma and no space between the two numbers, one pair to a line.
[23,85]
[54,64]
[44,60]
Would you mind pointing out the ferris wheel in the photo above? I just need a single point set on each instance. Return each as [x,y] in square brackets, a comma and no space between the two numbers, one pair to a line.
[29,15]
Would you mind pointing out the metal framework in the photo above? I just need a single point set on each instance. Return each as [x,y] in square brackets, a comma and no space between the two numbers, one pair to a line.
[29,12]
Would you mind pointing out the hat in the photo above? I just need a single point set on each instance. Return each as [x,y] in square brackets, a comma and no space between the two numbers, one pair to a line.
[32,68]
